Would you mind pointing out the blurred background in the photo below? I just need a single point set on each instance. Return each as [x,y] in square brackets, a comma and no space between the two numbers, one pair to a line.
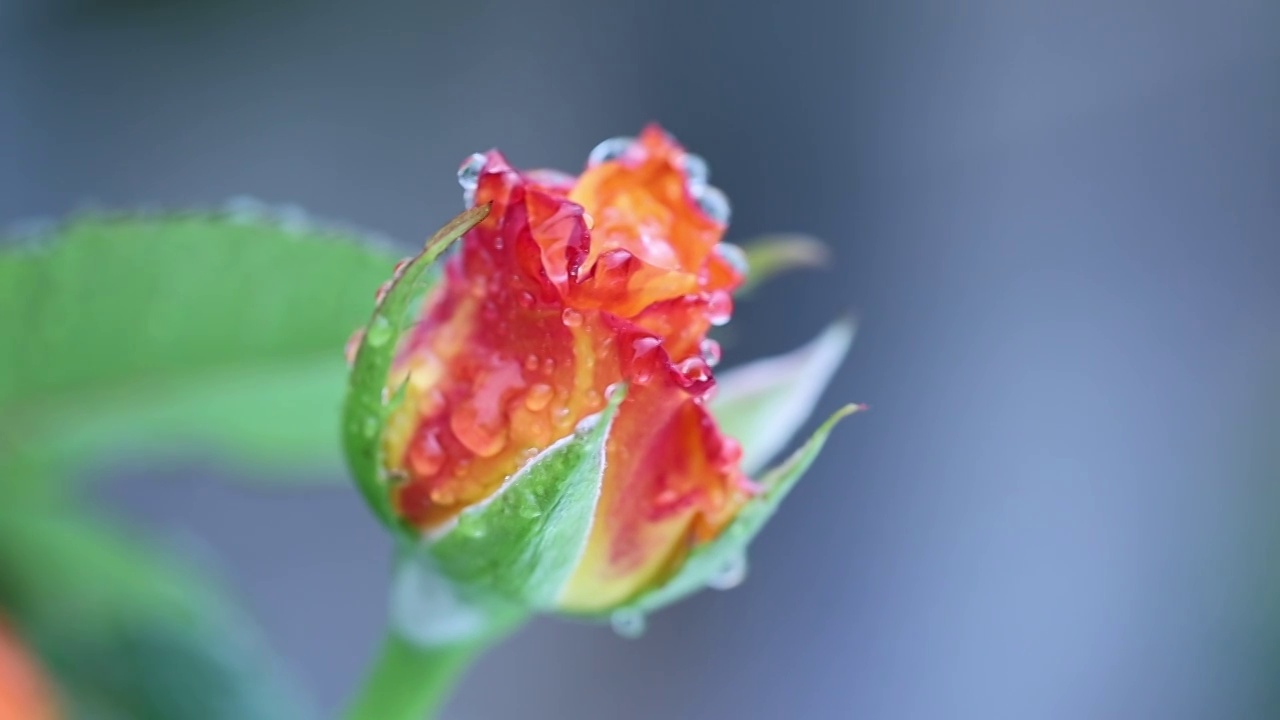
[1057,221]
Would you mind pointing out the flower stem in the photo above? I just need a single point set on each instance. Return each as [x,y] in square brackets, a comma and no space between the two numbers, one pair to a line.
[410,682]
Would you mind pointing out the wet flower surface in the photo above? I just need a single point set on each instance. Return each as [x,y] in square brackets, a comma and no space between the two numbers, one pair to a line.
[569,288]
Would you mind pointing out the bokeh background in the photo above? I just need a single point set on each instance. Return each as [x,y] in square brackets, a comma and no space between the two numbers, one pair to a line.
[1058,222]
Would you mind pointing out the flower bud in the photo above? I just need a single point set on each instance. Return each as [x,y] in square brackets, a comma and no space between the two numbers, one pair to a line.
[542,424]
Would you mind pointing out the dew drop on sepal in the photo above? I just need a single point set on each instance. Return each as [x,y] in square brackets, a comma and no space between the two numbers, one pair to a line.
[628,623]
[730,573]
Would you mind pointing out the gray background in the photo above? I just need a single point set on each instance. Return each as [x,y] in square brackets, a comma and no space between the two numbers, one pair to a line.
[1058,222]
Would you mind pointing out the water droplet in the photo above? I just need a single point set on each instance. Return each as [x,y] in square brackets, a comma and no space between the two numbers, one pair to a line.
[443,495]
[379,331]
[548,365]
[735,256]
[293,218]
[586,424]
[694,369]
[244,209]
[610,149]
[469,171]
[538,397]
[710,351]
[628,623]
[471,525]
[696,171]
[730,573]
[469,177]
[483,439]
[531,363]
[526,504]
[426,457]
[371,425]
[525,299]
[612,390]
[719,308]
[572,318]
[714,204]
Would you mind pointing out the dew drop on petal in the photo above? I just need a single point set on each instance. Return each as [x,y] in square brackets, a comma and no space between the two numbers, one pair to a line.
[443,495]
[694,369]
[627,623]
[572,318]
[531,363]
[710,351]
[525,299]
[469,171]
[538,397]
[735,256]
[379,331]
[719,308]
[714,204]
[610,149]
[469,176]
[427,456]
[696,171]
[474,435]
[730,573]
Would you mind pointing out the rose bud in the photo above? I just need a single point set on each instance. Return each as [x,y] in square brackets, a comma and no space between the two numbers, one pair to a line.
[543,425]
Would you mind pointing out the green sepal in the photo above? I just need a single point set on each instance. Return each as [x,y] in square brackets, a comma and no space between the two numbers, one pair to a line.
[367,405]
[763,404]
[772,255]
[525,541]
[708,564]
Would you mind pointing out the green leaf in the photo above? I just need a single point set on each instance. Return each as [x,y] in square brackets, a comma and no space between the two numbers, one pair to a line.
[525,540]
[773,255]
[123,333]
[764,403]
[131,633]
[721,563]
[366,408]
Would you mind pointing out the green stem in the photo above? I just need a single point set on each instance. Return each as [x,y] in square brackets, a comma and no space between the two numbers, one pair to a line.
[409,682]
